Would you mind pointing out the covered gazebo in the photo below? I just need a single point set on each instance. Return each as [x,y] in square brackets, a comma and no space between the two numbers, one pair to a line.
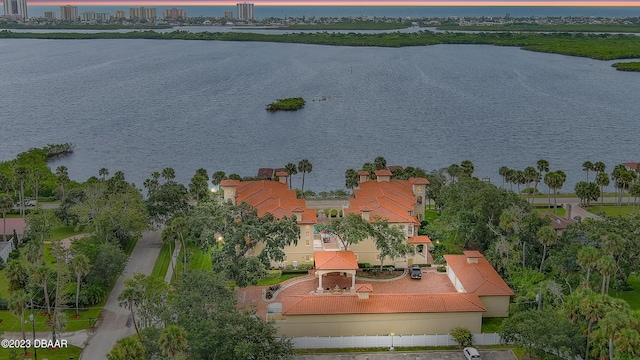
[335,262]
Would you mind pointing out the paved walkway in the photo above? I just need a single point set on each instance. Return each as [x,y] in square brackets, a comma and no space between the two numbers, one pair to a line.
[115,322]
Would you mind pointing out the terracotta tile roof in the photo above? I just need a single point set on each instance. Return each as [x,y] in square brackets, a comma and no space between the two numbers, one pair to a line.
[380,304]
[394,167]
[363,173]
[282,174]
[558,222]
[419,181]
[17,224]
[335,260]
[421,239]
[472,254]
[392,200]
[364,288]
[228,182]
[477,278]
[383,172]
[631,165]
[273,197]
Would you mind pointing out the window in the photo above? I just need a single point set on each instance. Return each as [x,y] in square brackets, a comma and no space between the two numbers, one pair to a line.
[419,200]
[308,234]
[307,242]
[307,258]
[356,257]
[284,259]
[377,257]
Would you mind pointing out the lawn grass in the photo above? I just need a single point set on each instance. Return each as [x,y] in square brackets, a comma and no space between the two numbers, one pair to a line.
[631,297]
[57,354]
[561,211]
[11,323]
[491,325]
[277,280]
[430,215]
[4,286]
[128,249]
[162,262]
[611,210]
[63,232]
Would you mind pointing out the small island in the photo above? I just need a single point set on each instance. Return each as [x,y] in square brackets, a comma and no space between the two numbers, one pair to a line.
[288,104]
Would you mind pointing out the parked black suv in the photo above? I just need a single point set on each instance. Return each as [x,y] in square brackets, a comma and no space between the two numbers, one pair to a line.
[415,272]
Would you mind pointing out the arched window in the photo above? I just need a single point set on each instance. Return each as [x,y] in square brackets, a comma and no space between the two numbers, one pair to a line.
[419,200]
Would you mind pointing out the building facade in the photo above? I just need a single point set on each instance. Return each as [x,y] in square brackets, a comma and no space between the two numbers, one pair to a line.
[142,13]
[50,15]
[228,15]
[16,9]
[92,16]
[244,11]
[174,14]
[120,14]
[68,13]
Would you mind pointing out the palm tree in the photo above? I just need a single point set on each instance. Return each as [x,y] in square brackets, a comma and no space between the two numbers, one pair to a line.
[530,175]
[555,180]
[634,191]
[467,167]
[602,179]
[547,236]
[81,267]
[292,169]
[587,259]
[611,325]
[155,176]
[351,179]
[607,267]
[127,349]
[37,175]
[6,204]
[617,175]
[129,298]
[586,166]
[203,172]
[454,172]
[503,171]
[380,163]
[593,309]
[41,278]
[16,274]
[63,177]
[104,172]
[168,174]
[17,304]
[304,166]
[21,174]
[169,237]
[599,167]
[173,341]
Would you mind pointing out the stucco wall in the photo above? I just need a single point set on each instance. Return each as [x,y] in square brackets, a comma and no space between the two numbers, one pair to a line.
[497,306]
[378,324]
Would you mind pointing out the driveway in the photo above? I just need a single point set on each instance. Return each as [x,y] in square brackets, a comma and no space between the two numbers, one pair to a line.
[414,355]
[115,322]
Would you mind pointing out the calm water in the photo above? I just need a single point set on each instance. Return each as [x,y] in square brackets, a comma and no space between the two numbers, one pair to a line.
[142,105]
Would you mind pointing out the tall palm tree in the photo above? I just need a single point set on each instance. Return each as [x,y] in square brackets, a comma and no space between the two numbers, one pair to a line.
[104,172]
[593,309]
[351,179]
[81,266]
[304,166]
[169,237]
[21,175]
[6,204]
[17,304]
[37,175]
[127,349]
[292,169]
[168,174]
[606,266]
[454,172]
[611,325]
[203,172]
[599,167]
[602,179]
[503,171]
[380,163]
[616,176]
[173,341]
[63,177]
[587,259]
[467,167]
[531,175]
[129,299]
[587,166]
[555,180]
[41,277]
[547,236]
[16,274]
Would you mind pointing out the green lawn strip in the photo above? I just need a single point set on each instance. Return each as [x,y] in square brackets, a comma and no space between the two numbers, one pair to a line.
[631,297]
[63,232]
[128,249]
[491,325]
[430,215]
[627,66]
[277,280]
[611,210]
[11,323]
[4,286]
[66,353]
[560,212]
[162,262]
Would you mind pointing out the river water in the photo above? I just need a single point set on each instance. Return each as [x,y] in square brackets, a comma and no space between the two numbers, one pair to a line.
[142,105]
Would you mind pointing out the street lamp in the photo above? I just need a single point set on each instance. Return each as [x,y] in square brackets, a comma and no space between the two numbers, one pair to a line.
[33,326]
[391,348]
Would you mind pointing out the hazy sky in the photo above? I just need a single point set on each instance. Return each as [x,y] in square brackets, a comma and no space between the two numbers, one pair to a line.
[331,3]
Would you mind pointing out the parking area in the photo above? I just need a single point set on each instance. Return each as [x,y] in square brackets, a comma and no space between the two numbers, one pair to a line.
[417,355]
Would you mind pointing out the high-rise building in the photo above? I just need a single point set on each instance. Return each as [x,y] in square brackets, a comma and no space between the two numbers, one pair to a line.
[50,15]
[174,14]
[142,13]
[68,13]
[228,15]
[245,11]
[92,16]
[119,14]
[16,9]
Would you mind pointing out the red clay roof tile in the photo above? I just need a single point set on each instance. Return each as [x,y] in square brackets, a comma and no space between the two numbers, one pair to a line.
[477,278]
[335,260]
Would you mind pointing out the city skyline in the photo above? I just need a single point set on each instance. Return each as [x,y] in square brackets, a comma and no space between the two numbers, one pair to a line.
[128,3]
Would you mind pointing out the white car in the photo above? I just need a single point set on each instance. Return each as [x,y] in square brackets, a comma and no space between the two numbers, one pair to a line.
[30,203]
[471,353]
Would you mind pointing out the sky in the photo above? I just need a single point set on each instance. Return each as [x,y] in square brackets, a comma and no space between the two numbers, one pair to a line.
[332,3]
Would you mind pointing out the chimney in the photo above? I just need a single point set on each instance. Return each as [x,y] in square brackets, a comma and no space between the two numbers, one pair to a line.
[472,256]
[364,176]
[383,175]
[298,213]
[365,213]
[568,211]
[282,176]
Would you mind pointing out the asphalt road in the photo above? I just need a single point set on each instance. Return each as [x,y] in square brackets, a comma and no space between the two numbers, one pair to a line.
[115,318]
[418,355]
